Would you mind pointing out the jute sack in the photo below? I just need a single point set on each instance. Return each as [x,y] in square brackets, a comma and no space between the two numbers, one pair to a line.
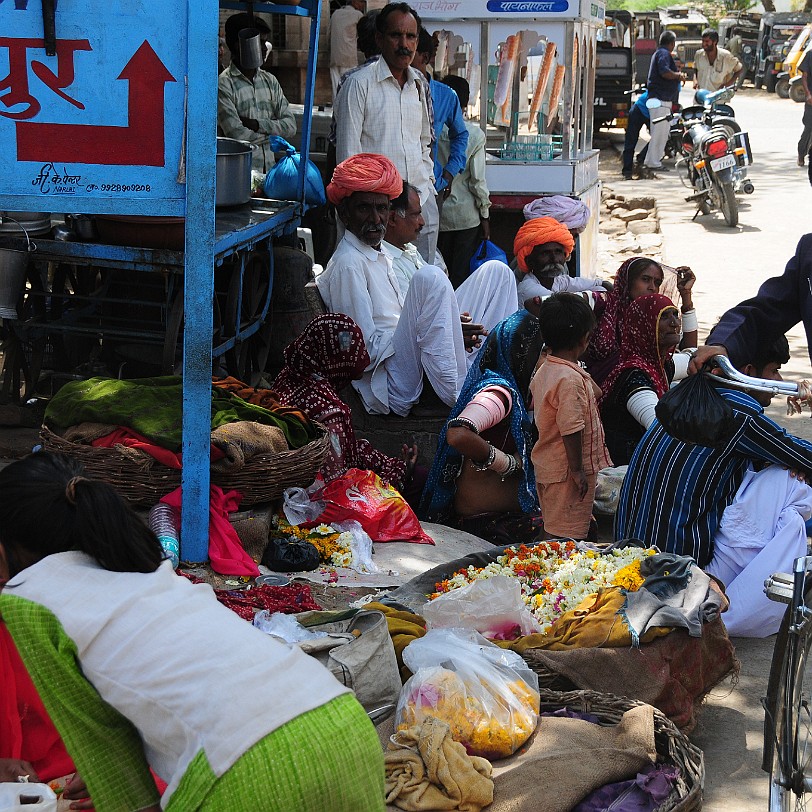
[360,654]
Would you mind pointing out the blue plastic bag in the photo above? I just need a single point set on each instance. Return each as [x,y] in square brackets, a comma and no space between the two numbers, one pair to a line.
[486,251]
[282,180]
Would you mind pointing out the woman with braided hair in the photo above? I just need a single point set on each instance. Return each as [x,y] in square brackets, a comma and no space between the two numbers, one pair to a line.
[136,665]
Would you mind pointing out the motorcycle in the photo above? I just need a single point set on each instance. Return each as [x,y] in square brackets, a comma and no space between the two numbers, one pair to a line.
[716,153]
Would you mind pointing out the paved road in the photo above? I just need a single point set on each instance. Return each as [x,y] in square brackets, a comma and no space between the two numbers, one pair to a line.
[730,264]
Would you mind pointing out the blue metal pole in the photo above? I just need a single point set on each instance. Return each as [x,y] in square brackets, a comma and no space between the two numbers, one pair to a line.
[310,89]
[198,291]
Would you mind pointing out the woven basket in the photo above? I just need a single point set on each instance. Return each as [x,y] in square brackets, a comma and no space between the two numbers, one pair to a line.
[673,747]
[139,479]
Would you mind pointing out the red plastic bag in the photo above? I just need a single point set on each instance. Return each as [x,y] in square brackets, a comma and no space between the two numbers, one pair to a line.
[378,508]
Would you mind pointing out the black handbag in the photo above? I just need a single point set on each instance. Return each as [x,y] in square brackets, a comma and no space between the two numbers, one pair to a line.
[694,412]
[294,555]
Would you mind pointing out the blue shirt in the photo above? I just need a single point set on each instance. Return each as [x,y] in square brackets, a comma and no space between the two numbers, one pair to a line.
[658,86]
[640,104]
[674,493]
[448,113]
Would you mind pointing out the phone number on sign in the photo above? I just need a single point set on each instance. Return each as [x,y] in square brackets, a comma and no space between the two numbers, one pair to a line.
[120,187]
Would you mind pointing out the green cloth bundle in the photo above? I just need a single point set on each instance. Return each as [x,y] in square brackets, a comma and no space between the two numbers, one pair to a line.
[154,408]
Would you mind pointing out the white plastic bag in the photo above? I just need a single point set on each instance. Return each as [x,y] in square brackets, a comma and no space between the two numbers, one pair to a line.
[284,627]
[488,696]
[298,505]
[491,606]
[13,798]
[361,546]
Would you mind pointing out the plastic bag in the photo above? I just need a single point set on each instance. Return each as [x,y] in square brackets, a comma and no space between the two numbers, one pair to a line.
[695,412]
[492,606]
[379,508]
[290,555]
[299,506]
[486,251]
[488,696]
[282,180]
[361,547]
[285,627]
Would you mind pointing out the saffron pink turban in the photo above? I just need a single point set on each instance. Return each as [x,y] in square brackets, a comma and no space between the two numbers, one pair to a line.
[538,232]
[365,172]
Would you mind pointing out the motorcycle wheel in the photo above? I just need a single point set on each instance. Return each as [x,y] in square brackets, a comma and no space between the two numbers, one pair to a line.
[728,203]
[730,125]
[769,82]
[782,87]
[796,92]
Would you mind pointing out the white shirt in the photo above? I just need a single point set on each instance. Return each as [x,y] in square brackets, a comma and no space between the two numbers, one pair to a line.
[344,36]
[529,286]
[164,653]
[405,262]
[374,114]
[360,282]
[715,76]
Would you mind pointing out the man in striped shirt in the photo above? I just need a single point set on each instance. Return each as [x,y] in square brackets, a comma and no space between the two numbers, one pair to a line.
[736,510]
[250,103]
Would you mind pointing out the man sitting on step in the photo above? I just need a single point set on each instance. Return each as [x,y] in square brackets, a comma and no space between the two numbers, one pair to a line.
[426,329]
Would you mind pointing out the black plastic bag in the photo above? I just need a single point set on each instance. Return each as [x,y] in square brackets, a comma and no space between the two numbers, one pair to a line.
[283,555]
[696,413]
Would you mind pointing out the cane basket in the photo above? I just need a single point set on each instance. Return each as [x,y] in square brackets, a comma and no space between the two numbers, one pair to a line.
[673,747]
[140,479]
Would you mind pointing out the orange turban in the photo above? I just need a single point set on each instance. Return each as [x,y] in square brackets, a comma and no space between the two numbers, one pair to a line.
[538,232]
[365,172]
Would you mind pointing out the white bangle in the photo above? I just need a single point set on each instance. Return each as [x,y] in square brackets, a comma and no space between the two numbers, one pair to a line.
[690,323]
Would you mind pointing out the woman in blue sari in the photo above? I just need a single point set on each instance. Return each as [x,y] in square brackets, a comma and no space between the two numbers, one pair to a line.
[482,479]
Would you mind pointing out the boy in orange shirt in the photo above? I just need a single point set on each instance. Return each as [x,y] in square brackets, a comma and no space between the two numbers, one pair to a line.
[570,449]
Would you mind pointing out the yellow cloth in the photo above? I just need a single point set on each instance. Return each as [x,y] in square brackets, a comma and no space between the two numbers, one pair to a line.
[594,623]
[430,771]
[539,232]
[403,628]
[365,172]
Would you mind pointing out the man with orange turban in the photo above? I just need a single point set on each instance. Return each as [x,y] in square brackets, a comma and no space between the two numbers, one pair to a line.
[408,333]
[542,247]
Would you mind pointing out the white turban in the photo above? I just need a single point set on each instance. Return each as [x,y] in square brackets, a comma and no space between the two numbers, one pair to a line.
[569,211]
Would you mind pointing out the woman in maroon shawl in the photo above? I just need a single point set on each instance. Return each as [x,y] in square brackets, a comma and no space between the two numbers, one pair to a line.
[318,364]
[644,371]
[638,276]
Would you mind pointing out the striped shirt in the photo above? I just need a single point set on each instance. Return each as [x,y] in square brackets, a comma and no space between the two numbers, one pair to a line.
[261,99]
[374,114]
[674,493]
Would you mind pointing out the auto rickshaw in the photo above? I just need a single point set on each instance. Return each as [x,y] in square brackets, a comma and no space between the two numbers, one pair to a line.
[790,67]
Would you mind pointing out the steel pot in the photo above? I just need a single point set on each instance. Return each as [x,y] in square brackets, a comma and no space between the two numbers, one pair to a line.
[233,172]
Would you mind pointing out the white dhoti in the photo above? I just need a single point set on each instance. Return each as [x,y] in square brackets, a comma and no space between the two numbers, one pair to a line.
[660,127]
[428,337]
[761,532]
[426,241]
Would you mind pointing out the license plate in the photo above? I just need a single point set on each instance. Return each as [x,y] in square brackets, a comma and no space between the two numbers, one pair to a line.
[725,162]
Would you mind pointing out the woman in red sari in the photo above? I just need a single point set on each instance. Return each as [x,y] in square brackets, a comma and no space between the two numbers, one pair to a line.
[638,276]
[645,369]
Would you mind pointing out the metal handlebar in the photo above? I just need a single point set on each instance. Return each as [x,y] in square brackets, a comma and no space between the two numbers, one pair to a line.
[741,381]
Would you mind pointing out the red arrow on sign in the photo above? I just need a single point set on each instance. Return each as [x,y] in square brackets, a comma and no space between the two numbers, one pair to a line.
[140,143]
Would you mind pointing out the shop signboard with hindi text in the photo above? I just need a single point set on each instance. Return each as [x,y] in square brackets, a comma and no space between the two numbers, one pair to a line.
[92,118]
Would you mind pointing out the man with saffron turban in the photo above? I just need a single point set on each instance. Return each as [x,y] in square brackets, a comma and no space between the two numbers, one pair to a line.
[424,329]
[542,247]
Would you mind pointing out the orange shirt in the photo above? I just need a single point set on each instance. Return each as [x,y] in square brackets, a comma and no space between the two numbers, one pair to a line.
[564,403]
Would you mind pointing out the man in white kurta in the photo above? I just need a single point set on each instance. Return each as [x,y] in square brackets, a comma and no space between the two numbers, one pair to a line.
[383,108]
[412,333]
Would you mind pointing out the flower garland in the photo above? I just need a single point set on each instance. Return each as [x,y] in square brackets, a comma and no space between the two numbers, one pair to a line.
[334,547]
[556,576]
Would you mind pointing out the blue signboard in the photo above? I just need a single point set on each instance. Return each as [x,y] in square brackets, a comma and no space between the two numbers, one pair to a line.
[102,118]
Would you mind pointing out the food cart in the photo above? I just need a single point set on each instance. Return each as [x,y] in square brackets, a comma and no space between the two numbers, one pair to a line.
[109,108]
[531,67]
